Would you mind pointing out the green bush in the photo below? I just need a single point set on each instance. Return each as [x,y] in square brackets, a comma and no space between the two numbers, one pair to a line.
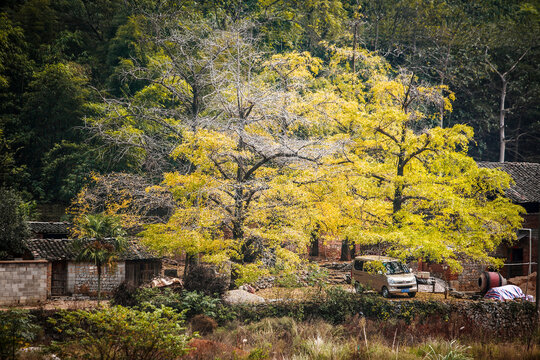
[120,333]
[190,303]
[158,297]
[17,330]
[338,305]
[317,276]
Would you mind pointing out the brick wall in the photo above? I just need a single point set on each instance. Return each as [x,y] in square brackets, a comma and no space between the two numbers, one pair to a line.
[82,278]
[23,282]
[328,250]
[468,279]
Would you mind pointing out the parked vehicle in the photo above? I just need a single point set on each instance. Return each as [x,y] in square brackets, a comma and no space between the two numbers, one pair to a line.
[384,274]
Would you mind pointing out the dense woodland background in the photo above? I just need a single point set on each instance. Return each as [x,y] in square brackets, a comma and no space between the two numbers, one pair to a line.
[57,57]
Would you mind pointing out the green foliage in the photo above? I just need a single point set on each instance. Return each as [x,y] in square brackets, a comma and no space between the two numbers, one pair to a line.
[189,303]
[13,226]
[317,276]
[288,281]
[120,333]
[157,297]
[66,169]
[338,305]
[17,331]
[100,239]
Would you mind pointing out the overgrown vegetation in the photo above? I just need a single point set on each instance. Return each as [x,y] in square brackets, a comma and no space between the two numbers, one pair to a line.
[120,333]
[358,338]
[189,303]
[335,324]
[17,330]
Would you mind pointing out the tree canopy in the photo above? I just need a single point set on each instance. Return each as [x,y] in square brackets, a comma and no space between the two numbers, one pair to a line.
[13,226]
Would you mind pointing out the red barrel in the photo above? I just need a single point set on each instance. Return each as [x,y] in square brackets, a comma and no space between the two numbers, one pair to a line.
[490,279]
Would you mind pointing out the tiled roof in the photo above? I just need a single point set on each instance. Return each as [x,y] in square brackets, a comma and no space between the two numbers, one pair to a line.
[61,249]
[526,177]
[40,227]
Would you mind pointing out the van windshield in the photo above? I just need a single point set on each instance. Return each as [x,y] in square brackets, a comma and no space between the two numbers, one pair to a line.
[396,267]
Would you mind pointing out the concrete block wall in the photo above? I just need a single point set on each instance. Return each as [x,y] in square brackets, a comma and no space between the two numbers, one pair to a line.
[82,277]
[23,282]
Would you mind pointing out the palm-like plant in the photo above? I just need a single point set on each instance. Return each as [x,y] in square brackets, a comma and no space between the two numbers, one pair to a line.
[100,239]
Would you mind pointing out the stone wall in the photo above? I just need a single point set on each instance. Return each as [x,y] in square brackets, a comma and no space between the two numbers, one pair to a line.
[23,282]
[82,278]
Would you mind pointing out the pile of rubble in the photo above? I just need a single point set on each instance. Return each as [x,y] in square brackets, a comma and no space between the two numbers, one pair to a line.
[521,281]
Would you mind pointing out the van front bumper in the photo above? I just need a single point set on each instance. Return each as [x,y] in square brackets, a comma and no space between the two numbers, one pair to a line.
[403,288]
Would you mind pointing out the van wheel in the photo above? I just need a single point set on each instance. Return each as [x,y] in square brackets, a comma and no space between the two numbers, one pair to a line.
[411,294]
[357,287]
[385,293]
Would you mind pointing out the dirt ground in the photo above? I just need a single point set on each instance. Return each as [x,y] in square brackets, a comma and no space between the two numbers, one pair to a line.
[62,304]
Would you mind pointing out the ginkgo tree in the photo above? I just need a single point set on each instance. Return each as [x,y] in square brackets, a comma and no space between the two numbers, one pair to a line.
[240,150]
[404,184]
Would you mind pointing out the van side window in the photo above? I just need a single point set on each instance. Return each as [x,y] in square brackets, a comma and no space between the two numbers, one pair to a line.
[359,265]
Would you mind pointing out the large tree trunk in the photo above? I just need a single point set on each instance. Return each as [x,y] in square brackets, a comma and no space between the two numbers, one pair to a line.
[398,187]
[314,251]
[191,261]
[346,251]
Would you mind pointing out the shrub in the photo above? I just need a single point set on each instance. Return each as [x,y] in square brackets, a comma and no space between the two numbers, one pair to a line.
[158,298]
[194,303]
[17,330]
[206,280]
[317,277]
[290,280]
[120,333]
[125,295]
[338,305]
[203,324]
[190,303]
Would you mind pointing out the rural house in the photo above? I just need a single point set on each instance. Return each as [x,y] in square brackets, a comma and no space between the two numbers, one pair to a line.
[49,268]
[67,276]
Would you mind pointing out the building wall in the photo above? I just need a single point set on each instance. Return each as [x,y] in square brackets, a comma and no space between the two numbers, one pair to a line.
[23,282]
[331,250]
[468,279]
[82,278]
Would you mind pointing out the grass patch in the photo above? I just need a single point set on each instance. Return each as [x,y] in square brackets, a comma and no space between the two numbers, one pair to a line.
[278,338]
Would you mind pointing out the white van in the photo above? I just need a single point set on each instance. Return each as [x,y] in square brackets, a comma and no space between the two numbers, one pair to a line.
[384,274]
